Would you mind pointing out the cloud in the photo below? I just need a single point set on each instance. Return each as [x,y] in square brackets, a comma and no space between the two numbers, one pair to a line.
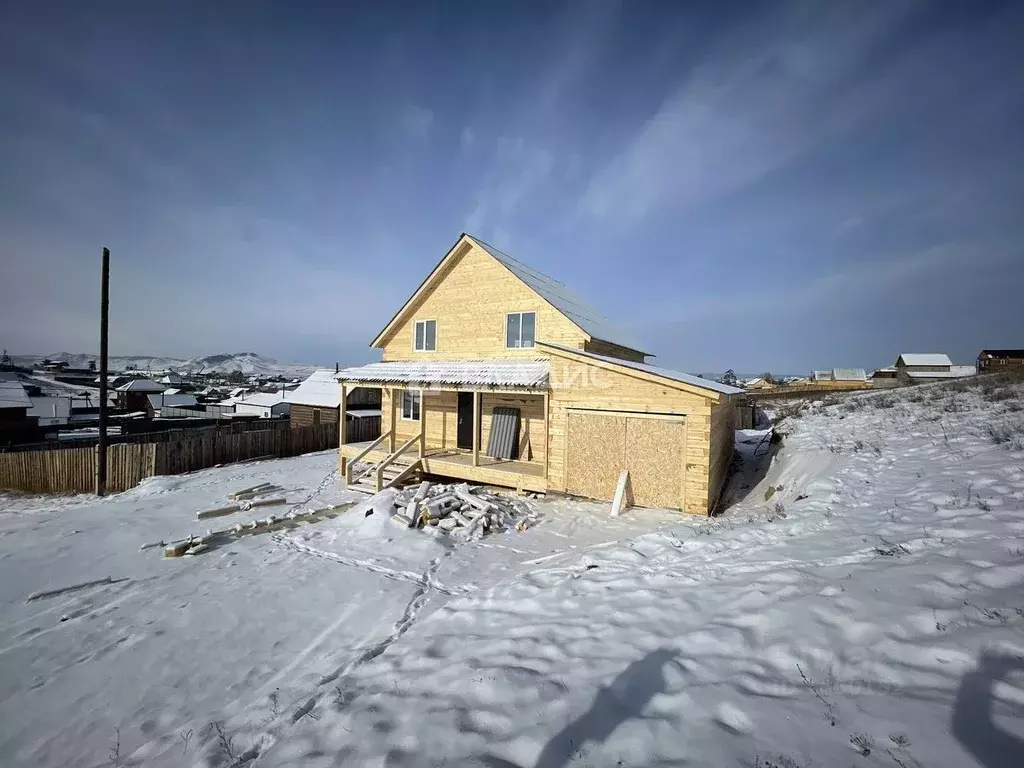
[763,97]
[417,121]
[467,137]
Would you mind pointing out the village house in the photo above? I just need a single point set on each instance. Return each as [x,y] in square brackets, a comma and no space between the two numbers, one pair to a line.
[917,368]
[265,405]
[317,400]
[885,378]
[132,395]
[494,373]
[1000,361]
[156,403]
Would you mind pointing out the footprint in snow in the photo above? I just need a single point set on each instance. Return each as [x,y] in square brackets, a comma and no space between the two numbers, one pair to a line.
[733,719]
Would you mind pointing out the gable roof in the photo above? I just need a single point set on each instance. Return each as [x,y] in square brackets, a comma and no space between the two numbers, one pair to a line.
[664,373]
[924,359]
[587,318]
[262,400]
[585,315]
[1002,352]
[849,374]
[320,389]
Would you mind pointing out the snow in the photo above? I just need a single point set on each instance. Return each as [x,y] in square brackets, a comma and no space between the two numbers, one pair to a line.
[863,590]
[492,373]
[13,395]
[320,389]
[141,385]
[925,359]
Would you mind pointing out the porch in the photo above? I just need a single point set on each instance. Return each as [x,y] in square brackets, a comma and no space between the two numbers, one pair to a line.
[458,464]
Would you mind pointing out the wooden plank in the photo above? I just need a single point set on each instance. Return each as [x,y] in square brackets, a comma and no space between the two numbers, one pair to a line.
[476,429]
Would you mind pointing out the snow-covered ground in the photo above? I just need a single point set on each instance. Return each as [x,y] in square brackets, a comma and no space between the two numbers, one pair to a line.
[860,603]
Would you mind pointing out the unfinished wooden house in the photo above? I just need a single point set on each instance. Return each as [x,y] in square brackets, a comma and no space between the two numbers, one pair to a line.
[494,373]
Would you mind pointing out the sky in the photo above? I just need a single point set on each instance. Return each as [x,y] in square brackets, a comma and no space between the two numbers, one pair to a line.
[755,185]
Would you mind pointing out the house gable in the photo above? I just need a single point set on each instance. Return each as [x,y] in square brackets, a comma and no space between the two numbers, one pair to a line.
[468,295]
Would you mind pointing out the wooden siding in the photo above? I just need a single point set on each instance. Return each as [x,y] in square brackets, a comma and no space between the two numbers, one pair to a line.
[302,415]
[608,349]
[724,416]
[442,412]
[470,303]
[577,384]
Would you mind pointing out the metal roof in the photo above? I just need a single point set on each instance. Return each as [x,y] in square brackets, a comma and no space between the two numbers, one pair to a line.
[925,359]
[175,401]
[531,374]
[1002,353]
[684,378]
[363,413]
[320,389]
[140,385]
[954,372]
[13,395]
[565,301]
[261,399]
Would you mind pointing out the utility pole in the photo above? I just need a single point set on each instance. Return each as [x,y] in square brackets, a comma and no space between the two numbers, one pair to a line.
[101,445]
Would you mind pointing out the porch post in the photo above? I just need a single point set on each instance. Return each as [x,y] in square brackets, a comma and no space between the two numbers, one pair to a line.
[423,425]
[547,451]
[341,415]
[476,429]
[391,440]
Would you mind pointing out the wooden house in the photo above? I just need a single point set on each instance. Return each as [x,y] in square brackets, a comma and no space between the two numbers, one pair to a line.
[133,395]
[317,400]
[917,368]
[494,373]
[264,405]
[1001,361]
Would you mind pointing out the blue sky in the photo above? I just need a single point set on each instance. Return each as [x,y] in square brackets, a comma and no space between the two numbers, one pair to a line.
[755,186]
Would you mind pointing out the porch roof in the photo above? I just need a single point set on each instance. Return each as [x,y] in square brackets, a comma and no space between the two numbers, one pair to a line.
[527,374]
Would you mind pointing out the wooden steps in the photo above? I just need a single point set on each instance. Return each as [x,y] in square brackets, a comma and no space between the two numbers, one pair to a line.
[366,484]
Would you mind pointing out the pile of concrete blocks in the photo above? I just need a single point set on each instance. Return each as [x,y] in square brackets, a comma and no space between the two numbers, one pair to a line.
[461,509]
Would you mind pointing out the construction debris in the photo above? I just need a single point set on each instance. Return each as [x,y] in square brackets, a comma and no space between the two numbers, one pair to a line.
[460,510]
[247,498]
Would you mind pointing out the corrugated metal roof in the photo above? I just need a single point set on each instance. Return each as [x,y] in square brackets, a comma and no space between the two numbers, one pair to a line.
[362,413]
[320,389]
[531,374]
[925,359]
[565,301]
[50,407]
[685,378]
[140,385]
[13,395]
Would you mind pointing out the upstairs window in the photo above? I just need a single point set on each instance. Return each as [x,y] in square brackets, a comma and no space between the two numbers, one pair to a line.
[520,329]
[426,336]
[410,405]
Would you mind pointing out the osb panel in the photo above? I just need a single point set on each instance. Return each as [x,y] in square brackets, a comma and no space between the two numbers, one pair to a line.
[596,454]
[469,304]
[654,457]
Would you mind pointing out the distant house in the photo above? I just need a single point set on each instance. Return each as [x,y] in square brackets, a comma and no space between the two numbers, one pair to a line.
[912,368]
[840,378]
[131,396]
[317,400]
[1000,360]
[14,403]
[884,378]
[757,383]
[265,405]
[51,411]
[154,403]
[172,378]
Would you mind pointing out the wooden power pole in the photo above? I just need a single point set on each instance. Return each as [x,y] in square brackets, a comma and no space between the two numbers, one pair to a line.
[101,445]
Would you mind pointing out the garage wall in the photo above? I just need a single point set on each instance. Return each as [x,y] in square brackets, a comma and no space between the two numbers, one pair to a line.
[579,384]
[723,442]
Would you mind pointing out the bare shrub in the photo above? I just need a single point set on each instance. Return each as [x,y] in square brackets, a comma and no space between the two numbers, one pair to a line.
[884,402]
[1010,430]
[862,742]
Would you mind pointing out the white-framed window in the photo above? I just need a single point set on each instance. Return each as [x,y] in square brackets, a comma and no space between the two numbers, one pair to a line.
[520,329]
[410,405]
[425,337]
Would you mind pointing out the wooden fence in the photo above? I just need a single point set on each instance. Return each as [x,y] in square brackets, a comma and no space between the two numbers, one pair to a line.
[72,470]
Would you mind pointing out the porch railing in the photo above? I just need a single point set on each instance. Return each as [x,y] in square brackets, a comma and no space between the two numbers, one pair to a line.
[349,479]
[390,459]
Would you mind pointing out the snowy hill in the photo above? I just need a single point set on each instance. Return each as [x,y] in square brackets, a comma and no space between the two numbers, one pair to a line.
[860,602]
[248,363]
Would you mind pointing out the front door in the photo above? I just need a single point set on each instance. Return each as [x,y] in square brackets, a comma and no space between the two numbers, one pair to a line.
[465,430]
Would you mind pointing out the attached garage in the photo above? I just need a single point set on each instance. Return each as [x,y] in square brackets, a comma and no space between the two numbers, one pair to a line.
[651,447]
[673,432]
